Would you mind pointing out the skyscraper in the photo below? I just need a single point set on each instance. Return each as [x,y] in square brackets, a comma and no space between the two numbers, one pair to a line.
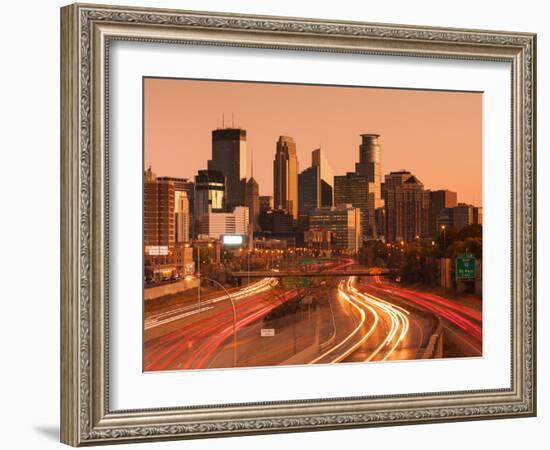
[266,203]
[362,188]
[285,176]
[407,206]
[315,184]
[229,158]
[165,228]
[309,190]
[158,213]
[182,216]
[356,190]
[463,215]
[369,158]
[369,165]
[252,201]
[209,193]
[394,179]
[187,186]
[439,200]
[459,216]
[342,220]
[327,177]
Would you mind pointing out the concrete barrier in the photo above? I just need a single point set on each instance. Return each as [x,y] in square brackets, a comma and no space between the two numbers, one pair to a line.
[328,342]
[169,289]
[309,353]
[434,349]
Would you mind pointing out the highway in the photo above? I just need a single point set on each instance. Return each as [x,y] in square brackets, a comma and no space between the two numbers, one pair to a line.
[462,324]
[198,332]
[187,337]
[349,320]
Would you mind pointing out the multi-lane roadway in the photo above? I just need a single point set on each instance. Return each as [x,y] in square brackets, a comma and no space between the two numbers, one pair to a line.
[351,319]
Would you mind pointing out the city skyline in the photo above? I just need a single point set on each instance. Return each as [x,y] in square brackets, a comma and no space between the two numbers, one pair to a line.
[171,155]
[345,253]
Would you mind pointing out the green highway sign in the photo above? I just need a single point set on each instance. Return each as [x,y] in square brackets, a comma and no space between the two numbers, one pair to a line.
[465,266]
[307,262]
[295,282]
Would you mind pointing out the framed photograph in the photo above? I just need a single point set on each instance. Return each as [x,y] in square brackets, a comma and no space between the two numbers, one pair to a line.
[276,225]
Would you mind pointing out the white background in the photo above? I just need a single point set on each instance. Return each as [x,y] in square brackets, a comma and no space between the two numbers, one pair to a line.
[29,105]
[131,389]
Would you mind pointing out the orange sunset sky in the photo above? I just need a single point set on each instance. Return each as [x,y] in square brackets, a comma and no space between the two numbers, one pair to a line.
[436,135]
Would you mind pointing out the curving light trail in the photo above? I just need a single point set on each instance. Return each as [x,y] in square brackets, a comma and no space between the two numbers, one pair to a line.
[399,323]
[362,318]
[205,336]
[179,313]
[382,312]
[467,319]
[163,351]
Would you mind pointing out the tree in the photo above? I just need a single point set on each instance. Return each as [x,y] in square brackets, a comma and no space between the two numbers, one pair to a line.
[470,231]
[412,270]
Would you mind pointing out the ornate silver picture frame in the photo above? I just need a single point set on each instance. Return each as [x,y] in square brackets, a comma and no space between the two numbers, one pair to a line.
[87,32]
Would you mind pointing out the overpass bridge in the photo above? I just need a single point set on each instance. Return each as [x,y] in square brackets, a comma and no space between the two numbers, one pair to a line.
[320,273]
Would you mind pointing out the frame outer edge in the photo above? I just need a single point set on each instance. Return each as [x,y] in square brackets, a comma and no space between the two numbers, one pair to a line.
[534,218]
[70,299]
[81,414]
[532,226]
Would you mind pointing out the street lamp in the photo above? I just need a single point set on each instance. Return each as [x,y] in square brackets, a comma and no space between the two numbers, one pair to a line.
[444,237]
[248,266]
[234,316]
[199,277]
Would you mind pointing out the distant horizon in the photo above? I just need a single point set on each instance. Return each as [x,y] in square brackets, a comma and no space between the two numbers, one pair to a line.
[413,126]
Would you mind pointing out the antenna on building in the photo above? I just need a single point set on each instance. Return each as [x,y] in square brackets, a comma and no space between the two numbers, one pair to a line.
[232,120]
[223,120]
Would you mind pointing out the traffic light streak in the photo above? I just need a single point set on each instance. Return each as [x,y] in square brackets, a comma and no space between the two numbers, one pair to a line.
[377,308]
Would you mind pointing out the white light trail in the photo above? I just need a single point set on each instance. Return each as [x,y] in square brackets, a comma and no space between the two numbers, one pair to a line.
[179,313]
[398,318]
[363,303]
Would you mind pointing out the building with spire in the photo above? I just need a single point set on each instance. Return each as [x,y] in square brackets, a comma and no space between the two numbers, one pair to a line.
[252,201]
[285,176]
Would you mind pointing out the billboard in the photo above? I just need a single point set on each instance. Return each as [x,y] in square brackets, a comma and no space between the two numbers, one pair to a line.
[233,239]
